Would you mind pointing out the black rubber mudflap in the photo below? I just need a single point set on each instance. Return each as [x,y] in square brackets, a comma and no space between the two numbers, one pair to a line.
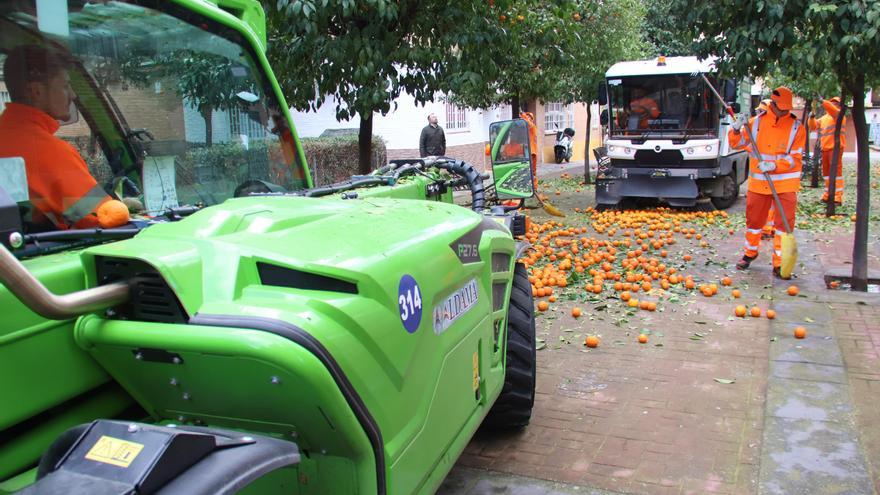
[513,409]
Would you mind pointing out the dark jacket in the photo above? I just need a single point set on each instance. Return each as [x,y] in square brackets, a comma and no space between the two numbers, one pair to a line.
[432,142]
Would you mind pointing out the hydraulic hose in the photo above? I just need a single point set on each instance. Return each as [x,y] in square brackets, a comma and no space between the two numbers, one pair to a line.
[474,180]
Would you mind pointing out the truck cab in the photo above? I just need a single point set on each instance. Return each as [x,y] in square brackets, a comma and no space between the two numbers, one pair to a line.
[666,135]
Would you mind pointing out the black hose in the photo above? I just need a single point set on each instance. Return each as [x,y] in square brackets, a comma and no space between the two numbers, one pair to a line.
[345,186]
[474,180]
[73,234]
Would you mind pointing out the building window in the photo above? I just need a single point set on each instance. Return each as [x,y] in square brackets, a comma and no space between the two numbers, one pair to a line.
[558,116]
[4,99]
[456,117]
[245,123]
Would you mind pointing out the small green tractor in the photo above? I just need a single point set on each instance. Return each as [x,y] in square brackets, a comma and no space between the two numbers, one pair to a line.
[246,331]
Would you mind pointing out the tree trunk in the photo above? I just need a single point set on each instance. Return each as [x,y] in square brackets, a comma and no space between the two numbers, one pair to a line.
[836,166]
[514,107]
[365,143]
[863,186]
[587,178]
[207,114]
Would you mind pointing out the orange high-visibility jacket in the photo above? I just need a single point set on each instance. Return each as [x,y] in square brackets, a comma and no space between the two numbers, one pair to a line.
[826,126]
[59,183]
[780,141]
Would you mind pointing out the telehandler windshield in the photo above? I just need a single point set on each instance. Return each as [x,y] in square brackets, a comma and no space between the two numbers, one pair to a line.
[155,104]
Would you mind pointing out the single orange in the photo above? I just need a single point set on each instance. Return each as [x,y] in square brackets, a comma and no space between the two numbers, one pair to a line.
[771,314]
[652,306]
[688,257]
[543,306]
[793,290]
[800,332]
[643,339]
[592,341]
[633,303]
[735,293]
[740,311]
[625,296]
[552,299]
[726,281]
[755,312]
[112,213]
[576,312]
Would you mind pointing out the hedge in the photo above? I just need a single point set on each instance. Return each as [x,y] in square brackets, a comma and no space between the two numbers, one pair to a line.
[332,159]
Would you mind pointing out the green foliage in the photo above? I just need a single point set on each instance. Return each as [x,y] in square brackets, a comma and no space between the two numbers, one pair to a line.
[363,55]
[664,32]
[753,37]
[552,51]
[333,159]
[206,80]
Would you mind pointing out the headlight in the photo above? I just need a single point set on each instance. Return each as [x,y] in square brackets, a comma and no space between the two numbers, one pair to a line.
[690,151]
[611,148]
[708,148]
[627,150]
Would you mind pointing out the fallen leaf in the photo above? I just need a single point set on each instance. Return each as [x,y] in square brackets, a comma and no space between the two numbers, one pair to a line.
[725,381]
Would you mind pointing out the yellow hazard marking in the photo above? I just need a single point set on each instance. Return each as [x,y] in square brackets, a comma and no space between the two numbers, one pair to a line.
[114,451]
[476,371]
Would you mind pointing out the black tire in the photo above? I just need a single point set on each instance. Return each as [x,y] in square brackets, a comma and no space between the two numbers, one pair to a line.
[731,193]
[513,409]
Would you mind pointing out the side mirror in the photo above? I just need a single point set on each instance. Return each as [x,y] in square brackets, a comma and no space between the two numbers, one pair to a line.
[510,157]
[603,117]
[603,94]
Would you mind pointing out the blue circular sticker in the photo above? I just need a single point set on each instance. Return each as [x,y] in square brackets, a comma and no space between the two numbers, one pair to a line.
[409,302]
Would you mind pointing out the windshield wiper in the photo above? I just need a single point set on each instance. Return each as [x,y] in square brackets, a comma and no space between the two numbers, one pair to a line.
[75,234]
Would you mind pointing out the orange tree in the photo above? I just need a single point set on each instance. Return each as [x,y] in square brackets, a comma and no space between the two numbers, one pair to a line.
[750,37]
[362,55]
[519,51]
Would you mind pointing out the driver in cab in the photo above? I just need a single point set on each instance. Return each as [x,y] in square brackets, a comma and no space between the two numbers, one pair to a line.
[642,108]
[61,188]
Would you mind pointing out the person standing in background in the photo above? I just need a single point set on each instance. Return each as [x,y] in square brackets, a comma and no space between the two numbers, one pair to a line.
[432,142]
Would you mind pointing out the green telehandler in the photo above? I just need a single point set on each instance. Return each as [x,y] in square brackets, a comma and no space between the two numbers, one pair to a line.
[245,331]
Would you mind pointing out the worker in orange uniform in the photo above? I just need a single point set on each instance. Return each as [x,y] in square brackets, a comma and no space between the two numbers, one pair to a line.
[643,107]
[780,145]
[826,125]
[61,189]
[769,229]
[533,145]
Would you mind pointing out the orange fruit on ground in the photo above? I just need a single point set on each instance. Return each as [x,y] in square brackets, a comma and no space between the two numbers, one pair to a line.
[543,306]
[643,305]
[740,311]
[112,213]
[652,306]
[689,283]
[643,339]
[633,303]
[688,257]
[706,290]
[548,291]
[834,284]
[726,281]
[592,341]
[793,290]
[625,296]
[735,293]
[771,314]
[755,312]
[552,299]
[800,332]
[576,312]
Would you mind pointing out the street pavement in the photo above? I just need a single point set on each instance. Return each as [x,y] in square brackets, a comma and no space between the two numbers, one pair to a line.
[800,416]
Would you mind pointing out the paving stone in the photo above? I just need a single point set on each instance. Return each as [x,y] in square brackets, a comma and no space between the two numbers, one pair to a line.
[803,399]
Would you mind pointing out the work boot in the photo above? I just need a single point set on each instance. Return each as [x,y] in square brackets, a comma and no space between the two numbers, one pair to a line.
[745,262]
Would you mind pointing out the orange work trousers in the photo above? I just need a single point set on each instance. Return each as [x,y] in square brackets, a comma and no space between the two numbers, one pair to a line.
[757,208]
[827,156]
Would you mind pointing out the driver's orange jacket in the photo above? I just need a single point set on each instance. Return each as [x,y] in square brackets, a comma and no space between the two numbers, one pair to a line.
[645,108]
[781,141]
[60,186]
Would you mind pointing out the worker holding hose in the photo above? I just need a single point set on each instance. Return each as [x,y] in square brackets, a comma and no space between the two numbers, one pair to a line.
[780,145]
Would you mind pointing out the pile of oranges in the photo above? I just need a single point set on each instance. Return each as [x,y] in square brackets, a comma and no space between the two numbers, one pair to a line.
[624,253]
